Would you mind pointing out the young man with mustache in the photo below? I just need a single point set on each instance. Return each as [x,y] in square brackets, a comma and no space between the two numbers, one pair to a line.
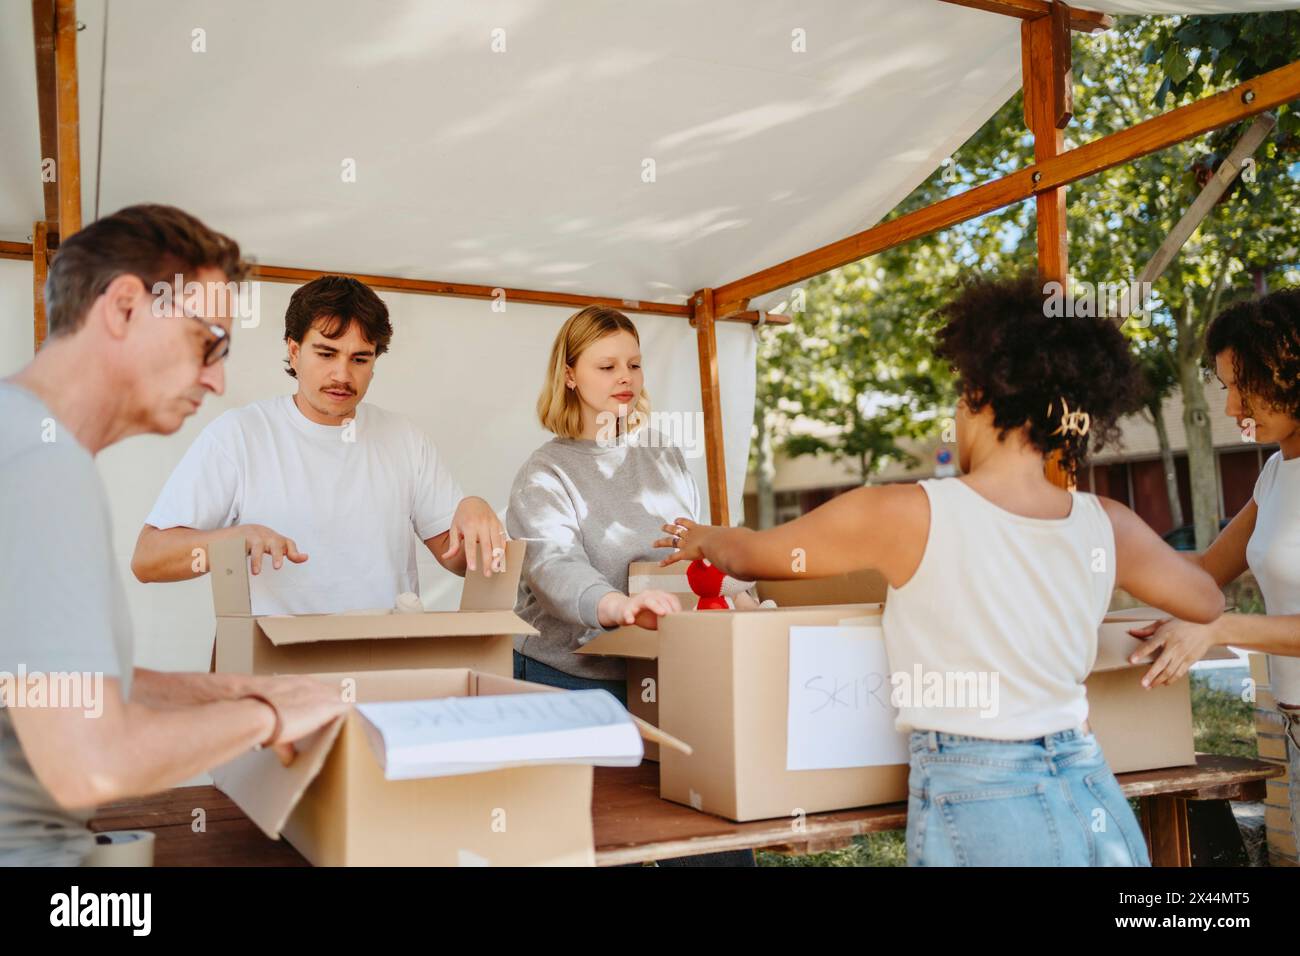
[332,490]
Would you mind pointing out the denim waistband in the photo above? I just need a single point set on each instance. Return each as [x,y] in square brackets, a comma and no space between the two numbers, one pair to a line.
[934,739]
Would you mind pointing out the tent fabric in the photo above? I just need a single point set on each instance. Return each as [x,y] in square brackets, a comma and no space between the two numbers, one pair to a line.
[771,127]
[507,142]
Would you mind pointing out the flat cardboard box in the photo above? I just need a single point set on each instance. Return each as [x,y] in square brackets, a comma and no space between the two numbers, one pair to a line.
[856,587]
[480,635]
[335,807]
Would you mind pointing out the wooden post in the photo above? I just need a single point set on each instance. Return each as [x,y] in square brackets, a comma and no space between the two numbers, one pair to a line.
[40,261]
[711,399]
[1045,66]
[68,167]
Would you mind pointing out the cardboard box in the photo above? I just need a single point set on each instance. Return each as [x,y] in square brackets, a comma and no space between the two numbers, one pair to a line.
[480,635]
[640,648]
[1138,728]
[725,676]
[856,587]
[337,809]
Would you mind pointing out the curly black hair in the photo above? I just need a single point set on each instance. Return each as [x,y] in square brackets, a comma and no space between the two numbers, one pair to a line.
[1264,335]
[1011,353]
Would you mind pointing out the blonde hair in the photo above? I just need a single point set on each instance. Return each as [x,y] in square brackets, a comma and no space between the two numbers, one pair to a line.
[559,408]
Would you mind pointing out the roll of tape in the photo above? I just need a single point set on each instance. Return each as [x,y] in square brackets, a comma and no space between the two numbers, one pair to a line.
[122,848]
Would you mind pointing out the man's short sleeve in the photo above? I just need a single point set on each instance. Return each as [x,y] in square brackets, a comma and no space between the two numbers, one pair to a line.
[57,571]
[203,490]
[436,492]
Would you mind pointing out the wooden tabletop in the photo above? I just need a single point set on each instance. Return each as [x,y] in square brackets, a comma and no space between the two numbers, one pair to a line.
[632,824]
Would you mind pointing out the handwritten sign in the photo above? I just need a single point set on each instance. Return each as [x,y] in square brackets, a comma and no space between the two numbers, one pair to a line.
[839,712]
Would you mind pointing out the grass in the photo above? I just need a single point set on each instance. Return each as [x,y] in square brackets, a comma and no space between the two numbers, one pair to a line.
[1222,724]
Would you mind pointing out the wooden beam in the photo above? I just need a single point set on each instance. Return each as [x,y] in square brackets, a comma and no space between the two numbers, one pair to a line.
[1209,196]
[1045,73]
[711,399]
[23,250]
[69,136]
[756,317]
[469,291]
[1248,99]
[15,250]
[1045,68]
[1086,21]
[40,265]
[43,37]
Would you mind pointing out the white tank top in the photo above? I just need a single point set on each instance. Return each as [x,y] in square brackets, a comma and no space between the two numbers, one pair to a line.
[995,633]
[1273,554]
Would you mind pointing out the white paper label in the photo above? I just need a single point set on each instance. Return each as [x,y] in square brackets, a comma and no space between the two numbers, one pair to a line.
[839,712]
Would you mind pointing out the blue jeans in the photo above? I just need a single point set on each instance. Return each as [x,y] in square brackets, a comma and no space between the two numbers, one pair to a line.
[538,673]
[1291,717]
[1050,801]
[528,669]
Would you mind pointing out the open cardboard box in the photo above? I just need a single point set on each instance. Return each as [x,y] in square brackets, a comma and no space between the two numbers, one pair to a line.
[640,647]
[337,809]
[480,635]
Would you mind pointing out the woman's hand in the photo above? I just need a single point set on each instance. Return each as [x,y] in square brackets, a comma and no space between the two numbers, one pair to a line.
[1180,645]
[642,609]
[688,537]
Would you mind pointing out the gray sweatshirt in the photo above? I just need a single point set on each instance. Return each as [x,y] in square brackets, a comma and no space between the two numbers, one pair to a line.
[586,512]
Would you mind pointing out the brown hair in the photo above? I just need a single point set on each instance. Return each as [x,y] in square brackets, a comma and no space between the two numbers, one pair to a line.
[559,408]
[151,242]
[335,302]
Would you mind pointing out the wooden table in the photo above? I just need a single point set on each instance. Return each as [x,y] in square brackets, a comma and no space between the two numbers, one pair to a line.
[632,825]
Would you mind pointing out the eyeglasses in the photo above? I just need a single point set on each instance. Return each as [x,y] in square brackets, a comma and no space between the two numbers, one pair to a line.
[219,347]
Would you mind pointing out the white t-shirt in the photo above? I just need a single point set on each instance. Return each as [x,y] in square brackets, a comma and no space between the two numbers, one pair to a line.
[1273,554]
[356,499]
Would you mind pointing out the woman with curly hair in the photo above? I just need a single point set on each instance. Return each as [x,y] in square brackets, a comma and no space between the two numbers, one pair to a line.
[1255,347]
[1002,574]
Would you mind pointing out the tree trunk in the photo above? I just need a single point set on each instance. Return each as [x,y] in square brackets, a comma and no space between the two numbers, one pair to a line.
[1157,411]
[765,472]
[1201,465]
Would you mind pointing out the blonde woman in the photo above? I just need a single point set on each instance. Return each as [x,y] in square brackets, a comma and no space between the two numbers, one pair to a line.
[589,502]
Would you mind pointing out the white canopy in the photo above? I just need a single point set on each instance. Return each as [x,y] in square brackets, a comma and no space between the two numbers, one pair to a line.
[504,143]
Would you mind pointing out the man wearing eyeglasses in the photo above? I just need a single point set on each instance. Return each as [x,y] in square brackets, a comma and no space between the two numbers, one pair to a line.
[80,724]
[334,491]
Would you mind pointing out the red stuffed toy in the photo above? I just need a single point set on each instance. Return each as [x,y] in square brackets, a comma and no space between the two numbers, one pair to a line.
[706,581]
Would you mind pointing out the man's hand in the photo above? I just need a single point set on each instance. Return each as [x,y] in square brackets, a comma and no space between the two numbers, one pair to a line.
[302,704]
[475,529]
[1178,644]
[261,541]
